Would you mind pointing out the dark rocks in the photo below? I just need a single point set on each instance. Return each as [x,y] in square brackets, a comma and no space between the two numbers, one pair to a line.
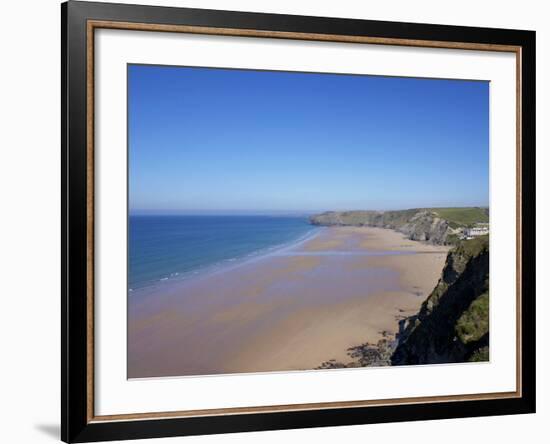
[366,355]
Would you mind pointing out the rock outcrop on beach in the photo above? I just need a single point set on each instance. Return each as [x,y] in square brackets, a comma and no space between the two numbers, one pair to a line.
[433,225]
[452,324]
[366,355]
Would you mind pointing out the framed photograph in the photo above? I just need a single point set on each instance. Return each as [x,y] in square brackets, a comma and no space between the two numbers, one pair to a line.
[275,221]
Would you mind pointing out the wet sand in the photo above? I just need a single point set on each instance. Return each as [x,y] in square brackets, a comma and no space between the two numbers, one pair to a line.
[289,310]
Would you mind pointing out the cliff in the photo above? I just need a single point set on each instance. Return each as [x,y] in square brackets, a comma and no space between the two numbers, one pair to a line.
[433,225]
[417,224]
[452,324]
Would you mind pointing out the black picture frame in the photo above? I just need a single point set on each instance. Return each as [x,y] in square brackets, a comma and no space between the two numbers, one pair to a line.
[76,327]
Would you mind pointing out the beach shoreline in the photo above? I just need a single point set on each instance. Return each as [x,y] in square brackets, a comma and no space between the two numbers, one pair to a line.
[223,265]
[292,309]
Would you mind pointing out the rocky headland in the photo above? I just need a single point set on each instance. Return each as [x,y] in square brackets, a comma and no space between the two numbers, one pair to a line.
[439,226]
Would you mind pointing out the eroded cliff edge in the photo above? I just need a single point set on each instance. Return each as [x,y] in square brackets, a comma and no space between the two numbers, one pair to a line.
[452,324]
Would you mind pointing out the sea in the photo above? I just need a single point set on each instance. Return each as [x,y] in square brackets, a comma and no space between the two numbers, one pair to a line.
[176,247]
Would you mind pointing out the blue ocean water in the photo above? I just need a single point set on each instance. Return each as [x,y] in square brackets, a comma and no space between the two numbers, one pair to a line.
[174,247]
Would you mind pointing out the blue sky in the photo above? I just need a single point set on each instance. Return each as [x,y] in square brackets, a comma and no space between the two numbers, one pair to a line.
[203,140]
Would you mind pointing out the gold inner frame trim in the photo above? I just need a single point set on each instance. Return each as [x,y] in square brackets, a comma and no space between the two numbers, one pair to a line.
[96,24]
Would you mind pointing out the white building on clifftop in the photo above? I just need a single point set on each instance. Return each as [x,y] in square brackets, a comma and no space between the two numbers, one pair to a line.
[476,231]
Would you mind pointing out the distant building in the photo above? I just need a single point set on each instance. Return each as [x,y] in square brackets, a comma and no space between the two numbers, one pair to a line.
[480,230]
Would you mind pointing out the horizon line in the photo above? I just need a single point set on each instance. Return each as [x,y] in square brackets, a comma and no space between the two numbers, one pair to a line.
[268,211]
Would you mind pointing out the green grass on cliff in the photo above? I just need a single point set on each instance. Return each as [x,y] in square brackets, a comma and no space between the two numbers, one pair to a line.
[355,217]
[473,247]
[474,322]
[463,216]
[395,218]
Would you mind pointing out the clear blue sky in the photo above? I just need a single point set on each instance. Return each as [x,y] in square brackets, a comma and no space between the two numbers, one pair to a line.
[204,139]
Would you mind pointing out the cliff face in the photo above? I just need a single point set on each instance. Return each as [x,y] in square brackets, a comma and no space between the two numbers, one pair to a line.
[453,322]
[416,224]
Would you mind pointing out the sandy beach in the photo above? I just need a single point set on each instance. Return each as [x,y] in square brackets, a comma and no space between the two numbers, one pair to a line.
[290,310]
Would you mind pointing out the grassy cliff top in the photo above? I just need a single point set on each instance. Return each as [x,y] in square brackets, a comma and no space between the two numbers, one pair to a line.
[455,216]
[463,215]
[473,247]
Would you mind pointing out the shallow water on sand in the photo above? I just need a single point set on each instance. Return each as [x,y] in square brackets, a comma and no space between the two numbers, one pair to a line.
[278,311]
